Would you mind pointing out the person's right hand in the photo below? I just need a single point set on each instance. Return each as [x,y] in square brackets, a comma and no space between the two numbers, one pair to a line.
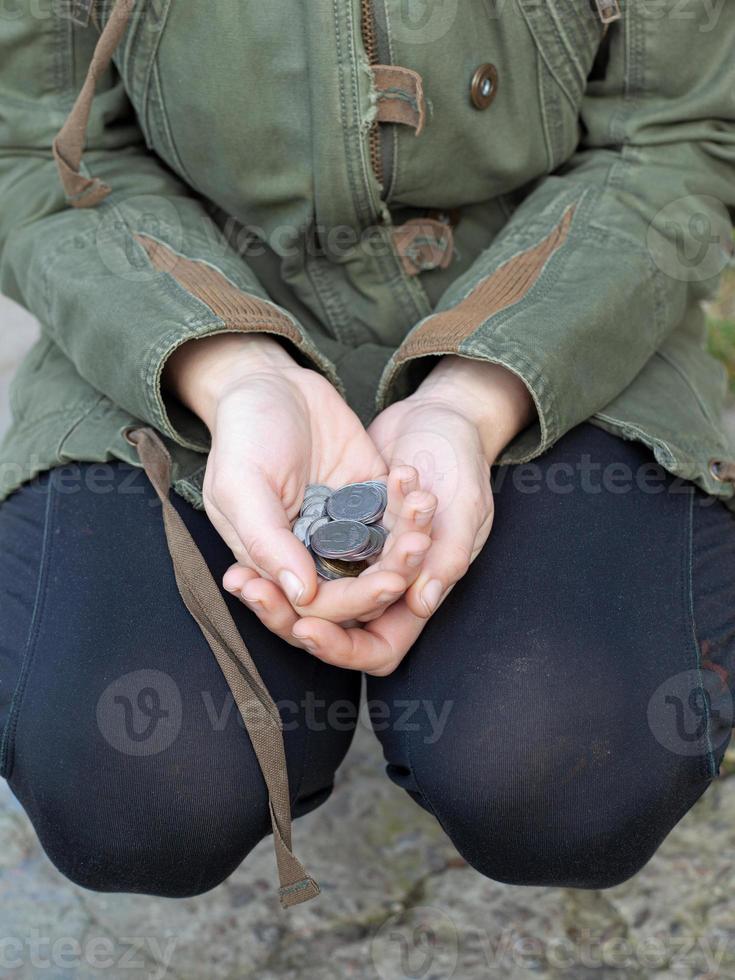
[275,428]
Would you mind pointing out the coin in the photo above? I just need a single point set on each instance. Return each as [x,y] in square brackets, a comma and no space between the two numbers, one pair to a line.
[337,569]
[374,545]
[382,532]
[332,570]
[330,574]
[319,522]
[301,528]
[313,507]
[340,539]
[317,490]
[363,502]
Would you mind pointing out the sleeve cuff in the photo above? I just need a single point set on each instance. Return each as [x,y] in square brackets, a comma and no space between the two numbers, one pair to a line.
[231,309]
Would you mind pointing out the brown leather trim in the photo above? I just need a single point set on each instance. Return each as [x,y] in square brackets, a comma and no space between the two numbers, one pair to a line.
[444,332]
[239,310]
[400,93]
[424,244]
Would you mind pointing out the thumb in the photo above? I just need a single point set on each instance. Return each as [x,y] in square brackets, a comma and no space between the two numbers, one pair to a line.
[262,526]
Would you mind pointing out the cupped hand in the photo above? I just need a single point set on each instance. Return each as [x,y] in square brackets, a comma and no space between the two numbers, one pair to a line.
[404,552]
[275,428]
[451,431]
[443,449]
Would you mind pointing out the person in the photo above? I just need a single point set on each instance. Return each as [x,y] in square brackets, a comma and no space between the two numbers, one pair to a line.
[463,253]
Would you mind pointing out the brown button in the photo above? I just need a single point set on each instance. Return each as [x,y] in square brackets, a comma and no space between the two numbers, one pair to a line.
[484,86]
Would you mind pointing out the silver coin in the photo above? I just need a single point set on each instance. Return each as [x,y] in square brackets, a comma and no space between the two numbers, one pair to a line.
[319,522]
[317,490]
[382,531]
[313,508]
[362,502]
[381,487]
[373,547]
[340,539]
[301,528]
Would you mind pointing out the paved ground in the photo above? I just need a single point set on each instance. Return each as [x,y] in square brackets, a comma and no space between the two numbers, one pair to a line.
[420,912]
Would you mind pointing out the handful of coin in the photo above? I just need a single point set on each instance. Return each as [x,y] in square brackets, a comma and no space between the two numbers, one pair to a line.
[340,527]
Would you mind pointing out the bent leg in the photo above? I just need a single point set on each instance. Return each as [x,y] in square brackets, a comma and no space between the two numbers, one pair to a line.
[562,722]
[122,740]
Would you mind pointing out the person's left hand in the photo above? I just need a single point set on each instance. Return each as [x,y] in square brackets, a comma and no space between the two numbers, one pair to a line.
[442,440]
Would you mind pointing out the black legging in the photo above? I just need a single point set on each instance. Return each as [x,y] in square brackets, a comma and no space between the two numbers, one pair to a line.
[562,711]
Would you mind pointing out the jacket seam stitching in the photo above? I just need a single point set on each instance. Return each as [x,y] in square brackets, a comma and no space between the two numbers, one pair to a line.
[11,729]
[78,420]
[688,588]
[685,378]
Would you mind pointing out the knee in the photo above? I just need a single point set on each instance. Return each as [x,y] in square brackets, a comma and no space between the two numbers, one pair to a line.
[509,843]
[555,826]
[173,844]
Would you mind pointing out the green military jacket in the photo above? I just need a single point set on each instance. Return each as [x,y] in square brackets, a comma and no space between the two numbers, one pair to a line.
[541,184]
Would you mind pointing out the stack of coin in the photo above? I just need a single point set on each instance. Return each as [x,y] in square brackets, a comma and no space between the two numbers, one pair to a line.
[340,527]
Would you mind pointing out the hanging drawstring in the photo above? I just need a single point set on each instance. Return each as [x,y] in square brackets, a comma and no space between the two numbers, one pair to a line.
[81,191]
[204,601]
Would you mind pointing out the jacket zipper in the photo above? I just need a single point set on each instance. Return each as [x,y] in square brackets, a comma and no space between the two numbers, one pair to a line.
[370,43]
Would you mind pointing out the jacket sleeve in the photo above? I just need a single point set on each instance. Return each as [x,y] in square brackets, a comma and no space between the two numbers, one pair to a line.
[601,261]
[118,287]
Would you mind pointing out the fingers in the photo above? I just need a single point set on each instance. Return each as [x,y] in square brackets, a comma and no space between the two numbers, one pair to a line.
[402,480]
[266,600]
[365,597]
[255,517]
[350,598]
[404,495]
[376,649]
[404,558]
[454,547]
[416,513]
[356,599]
[272,608]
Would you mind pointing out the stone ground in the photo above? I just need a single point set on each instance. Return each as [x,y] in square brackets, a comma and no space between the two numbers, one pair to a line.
[397,899]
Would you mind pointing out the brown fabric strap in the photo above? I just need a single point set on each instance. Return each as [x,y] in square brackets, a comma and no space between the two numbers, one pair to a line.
[400,96]
[204,601]
[68,146]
